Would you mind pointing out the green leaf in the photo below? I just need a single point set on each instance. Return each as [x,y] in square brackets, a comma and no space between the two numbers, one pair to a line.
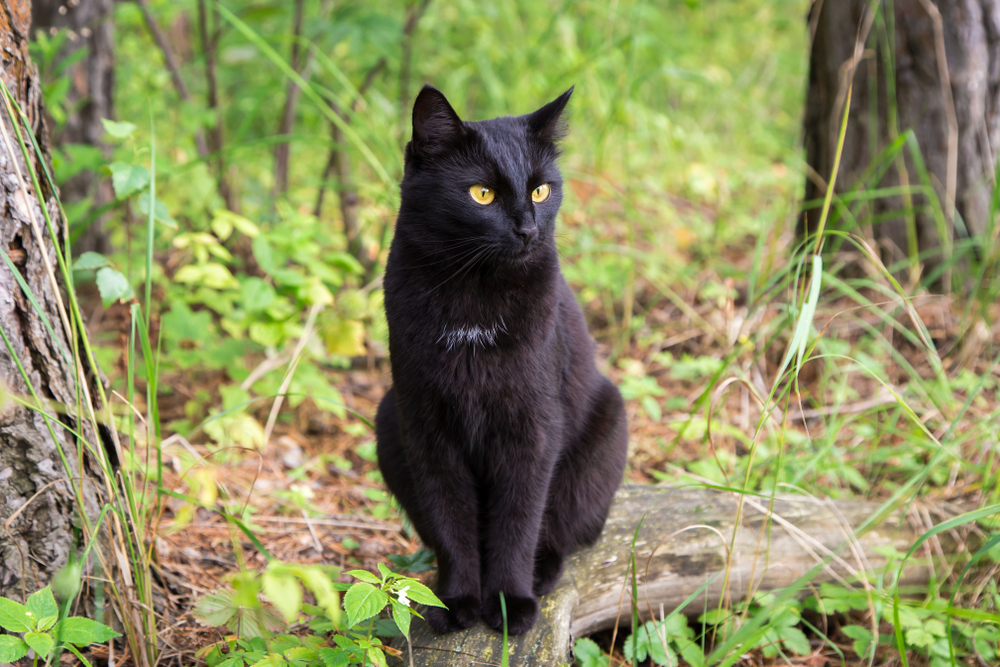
[795,640]
[257,294]
[268,334]
[651,408]
[160,212]
[42,642]
[180,323]
[12,648]
[89,260]
[264,254]
[334,657]
[209,274]
[365,576]
[422,595]
[224,222]
[128,179]
[363,601]
[118,129]
[15,617]
[113,286]
[419,561]
[46,622]
[345,261]
[588,653]
[284,592]
[636,647]
[919,637]
[215,608]
[377,657]
[861,636]
[401,615]
[320,583]
[933,626]
[690,651]
[43,604]
[232,661]
[385,571]
[83,631]
[255,622]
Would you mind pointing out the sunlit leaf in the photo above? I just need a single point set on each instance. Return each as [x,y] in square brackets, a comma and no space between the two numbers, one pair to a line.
[118,129]
[113,286]
[83,631]
[128,179]
[284,592]
[12,648]
[362,601]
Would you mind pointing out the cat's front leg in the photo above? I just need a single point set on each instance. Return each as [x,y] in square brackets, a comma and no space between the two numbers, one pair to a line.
[516,507]
[447,496]
[436,489]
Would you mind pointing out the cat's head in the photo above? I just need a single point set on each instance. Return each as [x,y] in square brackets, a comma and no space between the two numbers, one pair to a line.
[494,180]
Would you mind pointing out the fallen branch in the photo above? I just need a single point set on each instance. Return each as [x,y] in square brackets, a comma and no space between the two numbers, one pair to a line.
[768,552]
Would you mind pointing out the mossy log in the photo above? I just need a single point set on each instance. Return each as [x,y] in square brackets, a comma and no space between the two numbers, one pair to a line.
[683,542]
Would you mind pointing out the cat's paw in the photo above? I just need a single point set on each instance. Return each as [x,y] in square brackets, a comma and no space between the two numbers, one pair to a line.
[461,613]
[521,613]
[548,569]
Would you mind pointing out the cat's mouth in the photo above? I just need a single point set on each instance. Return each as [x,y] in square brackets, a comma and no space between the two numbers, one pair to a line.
[520,252]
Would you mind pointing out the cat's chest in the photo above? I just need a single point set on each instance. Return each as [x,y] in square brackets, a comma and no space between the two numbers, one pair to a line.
[462,336]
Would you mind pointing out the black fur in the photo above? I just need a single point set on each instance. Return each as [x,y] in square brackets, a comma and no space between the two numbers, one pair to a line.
[500,438]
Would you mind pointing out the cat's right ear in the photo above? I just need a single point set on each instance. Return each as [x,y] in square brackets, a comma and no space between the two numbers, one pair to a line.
[435,123]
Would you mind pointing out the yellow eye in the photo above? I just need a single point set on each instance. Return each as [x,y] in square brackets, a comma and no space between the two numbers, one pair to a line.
[540,194]
[482,194]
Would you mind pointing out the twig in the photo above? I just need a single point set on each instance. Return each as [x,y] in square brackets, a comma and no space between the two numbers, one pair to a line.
[412,18]
[215,136]
[336,523]
[264,368]
[172,67]
[276,407]
[282,148]
[312,531]
[883,397]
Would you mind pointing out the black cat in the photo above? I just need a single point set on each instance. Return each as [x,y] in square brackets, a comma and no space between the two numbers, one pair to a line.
[500,438]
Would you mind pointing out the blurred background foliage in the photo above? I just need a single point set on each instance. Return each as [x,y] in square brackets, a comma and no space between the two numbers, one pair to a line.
[683,143]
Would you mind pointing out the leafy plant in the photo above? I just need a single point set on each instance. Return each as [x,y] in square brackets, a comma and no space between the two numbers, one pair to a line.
[779,633]
[588,654]
[38,626]
[663,641]
[338,638]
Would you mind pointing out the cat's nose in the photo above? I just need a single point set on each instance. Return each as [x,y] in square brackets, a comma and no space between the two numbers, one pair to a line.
[527,235]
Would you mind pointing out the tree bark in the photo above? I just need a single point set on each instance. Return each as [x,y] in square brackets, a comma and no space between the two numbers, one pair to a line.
[941,80]
[678,542]
[37,510]
[90,27]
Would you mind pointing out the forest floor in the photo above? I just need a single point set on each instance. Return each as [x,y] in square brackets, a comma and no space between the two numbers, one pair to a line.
[314,495]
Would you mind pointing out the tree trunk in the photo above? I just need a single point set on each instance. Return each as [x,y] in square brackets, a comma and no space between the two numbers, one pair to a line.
[941,79]
[682,543]
[93,78]
[37,511]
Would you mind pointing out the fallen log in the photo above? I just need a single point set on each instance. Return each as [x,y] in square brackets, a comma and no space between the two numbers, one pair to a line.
[683,542]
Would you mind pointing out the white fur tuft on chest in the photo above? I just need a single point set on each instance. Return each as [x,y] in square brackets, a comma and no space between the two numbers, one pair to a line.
[475,336]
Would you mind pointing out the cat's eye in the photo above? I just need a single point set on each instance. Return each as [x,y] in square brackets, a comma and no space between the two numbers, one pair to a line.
[540,194]
[482,194]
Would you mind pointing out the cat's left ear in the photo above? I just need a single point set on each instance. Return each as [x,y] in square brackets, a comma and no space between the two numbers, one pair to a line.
[547,123]
[435,123]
